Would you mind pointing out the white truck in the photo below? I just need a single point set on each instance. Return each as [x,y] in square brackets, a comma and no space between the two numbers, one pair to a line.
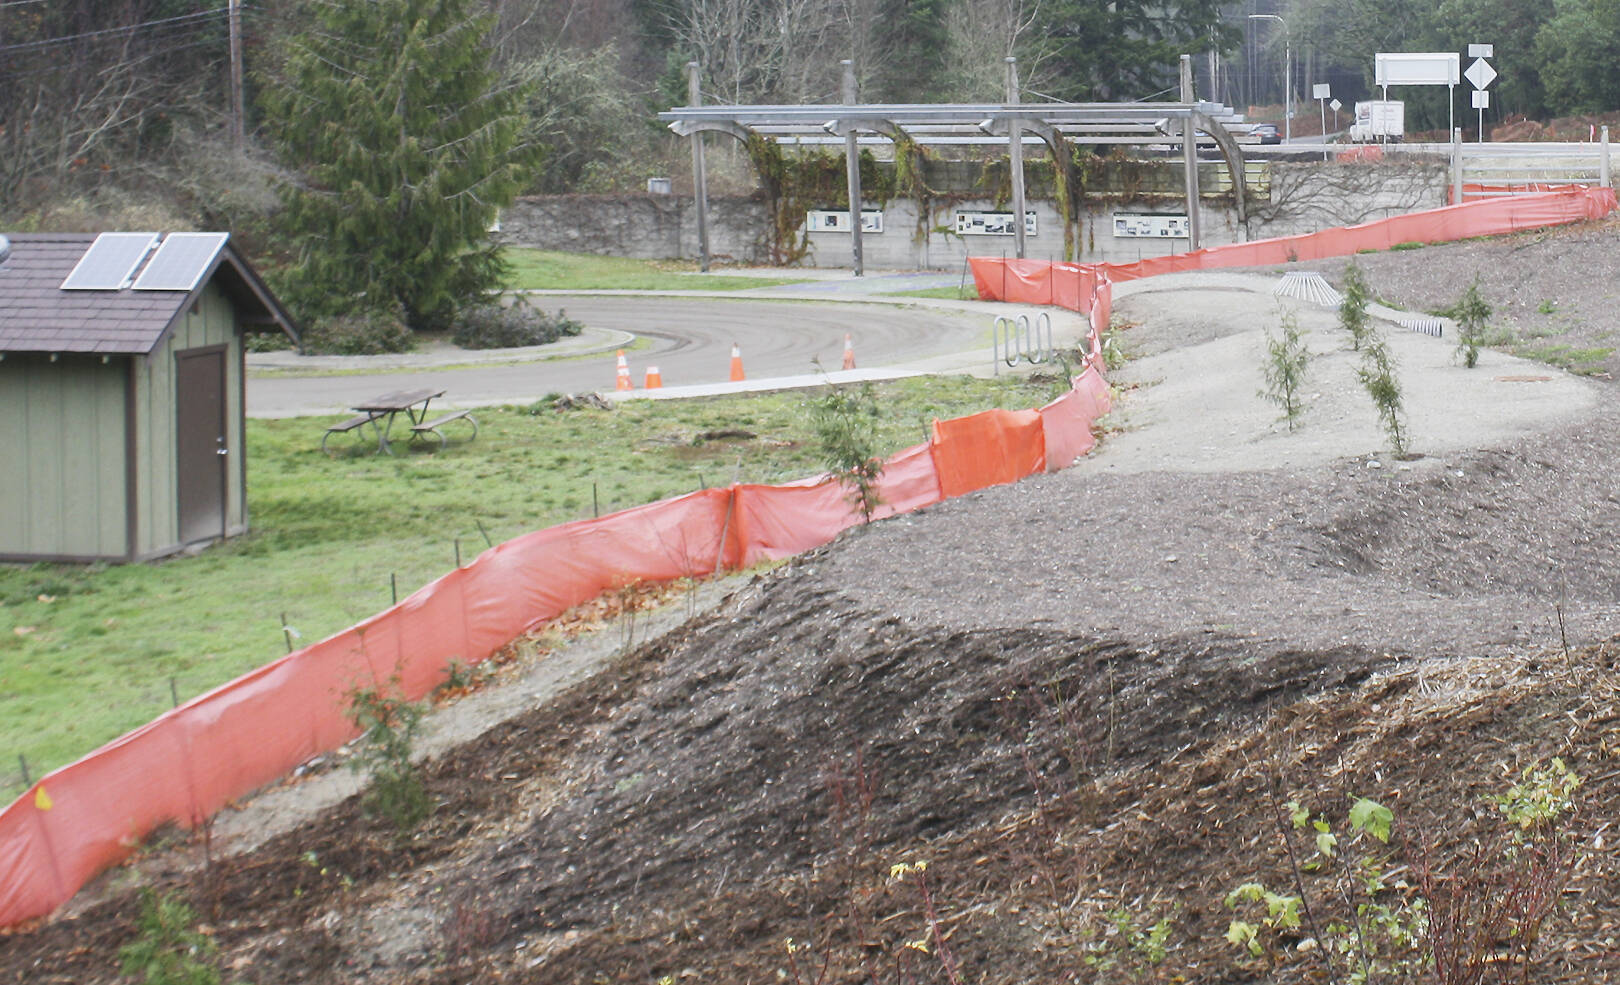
[1382,120]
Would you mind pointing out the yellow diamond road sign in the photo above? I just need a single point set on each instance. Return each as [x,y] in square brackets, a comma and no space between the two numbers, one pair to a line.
[1480,73]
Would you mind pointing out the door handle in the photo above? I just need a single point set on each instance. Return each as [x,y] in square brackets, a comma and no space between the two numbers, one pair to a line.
[221,450]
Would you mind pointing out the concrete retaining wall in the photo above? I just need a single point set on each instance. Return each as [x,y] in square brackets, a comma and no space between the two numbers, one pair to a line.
[1298,198]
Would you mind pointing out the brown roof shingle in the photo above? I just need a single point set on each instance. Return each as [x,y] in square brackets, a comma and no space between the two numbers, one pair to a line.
[37,316]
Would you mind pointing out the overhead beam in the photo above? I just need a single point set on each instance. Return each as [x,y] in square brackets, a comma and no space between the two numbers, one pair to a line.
[1234,165]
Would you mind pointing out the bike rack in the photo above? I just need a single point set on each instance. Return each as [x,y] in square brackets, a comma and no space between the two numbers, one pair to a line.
[1015,338]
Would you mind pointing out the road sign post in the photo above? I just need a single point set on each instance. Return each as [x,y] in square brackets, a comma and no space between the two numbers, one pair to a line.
[1480,74]
[1322,91]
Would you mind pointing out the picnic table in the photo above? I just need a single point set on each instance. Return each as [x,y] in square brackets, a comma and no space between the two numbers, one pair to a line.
[380,411]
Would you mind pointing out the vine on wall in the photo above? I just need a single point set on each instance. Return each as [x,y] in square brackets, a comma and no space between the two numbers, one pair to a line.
[802,180]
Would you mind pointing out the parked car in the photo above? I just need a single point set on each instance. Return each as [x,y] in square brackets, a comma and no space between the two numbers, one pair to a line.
[1267,133]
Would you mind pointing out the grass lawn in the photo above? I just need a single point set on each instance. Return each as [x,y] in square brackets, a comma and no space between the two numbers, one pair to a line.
[549,270]
[87,653]
[959,293]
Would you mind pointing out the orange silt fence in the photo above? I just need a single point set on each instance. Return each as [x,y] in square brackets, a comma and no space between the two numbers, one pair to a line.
[190,762]
[987,449]
[1066,421]
[1066,284]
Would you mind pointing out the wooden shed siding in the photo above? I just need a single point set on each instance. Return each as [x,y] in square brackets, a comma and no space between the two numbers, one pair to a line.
[211,321]
[62,491]
[159,519]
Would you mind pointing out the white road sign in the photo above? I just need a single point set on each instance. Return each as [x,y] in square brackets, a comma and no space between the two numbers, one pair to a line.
[1336,105]
[1480,74]
[1321,90]
[1482,99]
[1415,68]
[1481,51]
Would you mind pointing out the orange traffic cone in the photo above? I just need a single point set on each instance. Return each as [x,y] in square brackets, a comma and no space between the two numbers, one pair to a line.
[654,381]
[736,362]
[849,352]
[623,381]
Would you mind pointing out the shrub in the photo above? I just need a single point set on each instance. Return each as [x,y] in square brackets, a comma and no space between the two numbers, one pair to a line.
[1287,360]
[1377,374]
[1471,311]
[1353,309]
[496,326]
[266,341]
[846,422]
[367,333]
[387,733]
[167,949]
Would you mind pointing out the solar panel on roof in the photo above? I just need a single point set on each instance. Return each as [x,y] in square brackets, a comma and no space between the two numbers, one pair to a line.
[181,261]
[109,262]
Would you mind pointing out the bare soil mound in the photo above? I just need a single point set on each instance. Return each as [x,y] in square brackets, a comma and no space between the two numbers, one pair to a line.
[1083,701]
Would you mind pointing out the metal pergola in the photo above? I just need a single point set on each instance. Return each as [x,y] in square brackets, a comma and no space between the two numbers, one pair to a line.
[1188,123]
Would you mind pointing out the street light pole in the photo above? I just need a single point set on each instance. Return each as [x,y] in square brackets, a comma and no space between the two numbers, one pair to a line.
[1288,74]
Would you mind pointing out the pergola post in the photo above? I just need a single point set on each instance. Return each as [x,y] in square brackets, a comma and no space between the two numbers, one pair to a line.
[1015,158]
[852,162]
[700,180]
[1189,154]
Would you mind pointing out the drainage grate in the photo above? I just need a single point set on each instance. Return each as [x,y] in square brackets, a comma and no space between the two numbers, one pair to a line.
[1307,285]
[1428,326]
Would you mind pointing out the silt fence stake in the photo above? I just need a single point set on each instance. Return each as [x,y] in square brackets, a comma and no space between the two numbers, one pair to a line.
[393,585]
[22,761]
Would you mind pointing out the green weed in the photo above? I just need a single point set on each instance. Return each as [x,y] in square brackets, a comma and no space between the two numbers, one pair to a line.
[1584,362]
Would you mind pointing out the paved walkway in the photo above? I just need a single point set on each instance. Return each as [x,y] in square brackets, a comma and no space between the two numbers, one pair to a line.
[687,334]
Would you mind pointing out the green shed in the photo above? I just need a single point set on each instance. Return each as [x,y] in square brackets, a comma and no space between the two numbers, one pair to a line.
[121,393]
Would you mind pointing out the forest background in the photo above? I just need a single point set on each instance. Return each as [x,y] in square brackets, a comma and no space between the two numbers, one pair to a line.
[117,113]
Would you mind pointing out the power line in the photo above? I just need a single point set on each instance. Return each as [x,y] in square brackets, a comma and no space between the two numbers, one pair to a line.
[199,16]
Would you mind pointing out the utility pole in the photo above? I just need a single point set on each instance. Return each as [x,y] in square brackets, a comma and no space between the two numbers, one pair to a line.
[1288,74]
[1015,158]
[238,125]
[852,164]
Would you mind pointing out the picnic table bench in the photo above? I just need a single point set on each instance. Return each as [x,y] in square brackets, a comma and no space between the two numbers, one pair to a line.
[379,412]
[422,429]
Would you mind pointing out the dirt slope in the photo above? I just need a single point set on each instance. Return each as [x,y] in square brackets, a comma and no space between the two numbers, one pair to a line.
[1090,692]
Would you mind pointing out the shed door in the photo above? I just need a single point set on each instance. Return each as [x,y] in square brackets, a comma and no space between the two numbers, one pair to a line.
[201,450]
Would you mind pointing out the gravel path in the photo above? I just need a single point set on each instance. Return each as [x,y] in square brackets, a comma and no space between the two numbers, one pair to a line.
[1202,514]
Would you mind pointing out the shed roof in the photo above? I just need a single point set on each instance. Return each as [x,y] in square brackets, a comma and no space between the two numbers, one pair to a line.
[36,315]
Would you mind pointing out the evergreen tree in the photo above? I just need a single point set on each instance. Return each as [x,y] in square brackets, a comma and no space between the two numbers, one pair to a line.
[1126,49]
[406,144]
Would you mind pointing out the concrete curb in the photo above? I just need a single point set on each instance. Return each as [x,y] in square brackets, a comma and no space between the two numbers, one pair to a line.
[589,342]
